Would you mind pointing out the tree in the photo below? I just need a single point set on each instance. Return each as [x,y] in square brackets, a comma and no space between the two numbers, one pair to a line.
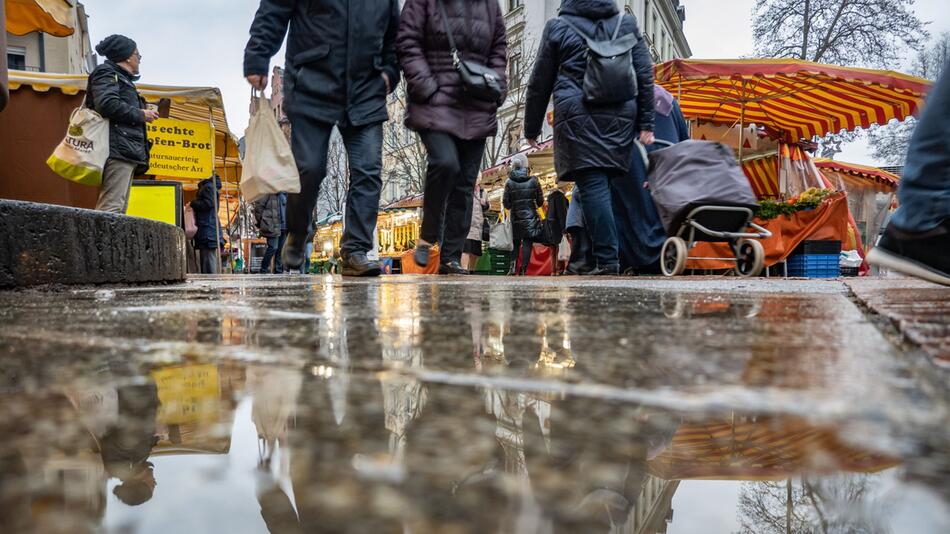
[521,58]
[332,194]
[404,155]
[843,32]
[889,142]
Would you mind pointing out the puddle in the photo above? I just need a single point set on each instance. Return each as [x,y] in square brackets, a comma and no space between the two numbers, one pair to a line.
[329,407]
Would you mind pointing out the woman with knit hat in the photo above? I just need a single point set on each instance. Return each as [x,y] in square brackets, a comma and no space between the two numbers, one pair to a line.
[111,92]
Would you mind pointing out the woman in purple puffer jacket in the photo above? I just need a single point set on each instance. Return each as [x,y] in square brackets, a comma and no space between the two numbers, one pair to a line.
[453,126]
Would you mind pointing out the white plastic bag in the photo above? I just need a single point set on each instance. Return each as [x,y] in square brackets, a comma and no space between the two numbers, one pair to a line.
[564,249]
[501,237]
[82,154]
[269,165]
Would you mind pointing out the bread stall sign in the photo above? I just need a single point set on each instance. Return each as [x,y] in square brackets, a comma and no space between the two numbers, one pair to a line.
[182,149]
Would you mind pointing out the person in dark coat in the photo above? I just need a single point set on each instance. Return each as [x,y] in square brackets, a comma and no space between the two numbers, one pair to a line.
[452,125]
[639,230]
[209,237]
[522,197]
[270,213]
[111,92]
[341,64]
[592,143]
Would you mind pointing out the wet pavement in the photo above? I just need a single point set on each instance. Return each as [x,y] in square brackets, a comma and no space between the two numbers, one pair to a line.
[408,404]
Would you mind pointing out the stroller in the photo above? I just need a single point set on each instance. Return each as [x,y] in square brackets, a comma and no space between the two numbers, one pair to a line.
[702,195]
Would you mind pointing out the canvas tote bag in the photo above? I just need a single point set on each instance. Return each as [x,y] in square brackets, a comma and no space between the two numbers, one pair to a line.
[501,235]
[269,165]
[82,154]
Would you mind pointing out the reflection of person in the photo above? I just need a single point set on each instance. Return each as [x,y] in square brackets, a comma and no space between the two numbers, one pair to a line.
[126,446]
[594,142]
[209,236]
[341,64]
[917,239]
[453,125]
[111,92]
[522,197]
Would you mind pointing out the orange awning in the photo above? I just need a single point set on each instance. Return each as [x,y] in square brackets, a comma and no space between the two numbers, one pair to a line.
[792,99]
[48,16]
[763,176]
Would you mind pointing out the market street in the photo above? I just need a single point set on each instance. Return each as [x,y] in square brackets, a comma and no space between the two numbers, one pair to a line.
[469,404]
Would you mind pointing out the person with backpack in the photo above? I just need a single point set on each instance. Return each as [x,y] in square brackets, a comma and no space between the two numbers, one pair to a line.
[596,64]
[453,54]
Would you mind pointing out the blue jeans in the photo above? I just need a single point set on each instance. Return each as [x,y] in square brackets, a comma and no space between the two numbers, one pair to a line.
[594,186]
[364,150]
[924,192]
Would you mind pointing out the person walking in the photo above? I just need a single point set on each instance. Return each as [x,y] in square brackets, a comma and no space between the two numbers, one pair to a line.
[917,239]
[111,92]
[522,198]
[209,237]
[593,141]
[473,244]
[341,64]
[271,223]
[452,120]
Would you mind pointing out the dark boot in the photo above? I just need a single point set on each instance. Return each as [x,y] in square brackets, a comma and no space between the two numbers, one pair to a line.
[923,255]
[606,270]
[452,267]
[421,254]
[292,255]
[357,264]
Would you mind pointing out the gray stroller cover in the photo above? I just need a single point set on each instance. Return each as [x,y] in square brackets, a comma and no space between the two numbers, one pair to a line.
[696,173]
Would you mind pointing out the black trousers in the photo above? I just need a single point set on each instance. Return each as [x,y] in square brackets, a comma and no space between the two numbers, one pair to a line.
[453,166]
[364,150]
[525,245]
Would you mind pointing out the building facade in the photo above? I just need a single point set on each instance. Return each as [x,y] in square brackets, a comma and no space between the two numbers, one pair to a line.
[39,52]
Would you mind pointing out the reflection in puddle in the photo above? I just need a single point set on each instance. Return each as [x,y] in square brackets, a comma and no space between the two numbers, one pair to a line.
[345,432]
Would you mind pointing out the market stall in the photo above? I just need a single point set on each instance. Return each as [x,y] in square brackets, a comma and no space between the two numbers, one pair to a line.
[788,102]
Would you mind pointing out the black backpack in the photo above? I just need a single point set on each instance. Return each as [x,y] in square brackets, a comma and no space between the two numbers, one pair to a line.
[610,77]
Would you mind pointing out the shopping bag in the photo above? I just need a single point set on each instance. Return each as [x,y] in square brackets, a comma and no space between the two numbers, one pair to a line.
[191,225]
[82,154]
[269,165]
[501,237]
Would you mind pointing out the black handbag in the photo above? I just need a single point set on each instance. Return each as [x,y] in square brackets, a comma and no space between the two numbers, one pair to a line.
[479,81]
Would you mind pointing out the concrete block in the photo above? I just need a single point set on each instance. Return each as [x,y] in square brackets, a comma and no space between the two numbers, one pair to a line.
[47,244]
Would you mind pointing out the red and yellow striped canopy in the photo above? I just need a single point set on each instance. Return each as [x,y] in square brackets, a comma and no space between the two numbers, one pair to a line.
[790,98]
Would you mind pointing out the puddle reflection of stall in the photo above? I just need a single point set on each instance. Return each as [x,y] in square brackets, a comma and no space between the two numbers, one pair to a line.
[197,408]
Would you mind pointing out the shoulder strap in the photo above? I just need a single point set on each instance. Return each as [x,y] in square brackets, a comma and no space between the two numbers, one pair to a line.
[448,30]
[574,27]
[619,24]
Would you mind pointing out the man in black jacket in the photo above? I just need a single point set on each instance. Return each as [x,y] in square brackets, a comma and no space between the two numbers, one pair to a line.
[341,64]
[111,92]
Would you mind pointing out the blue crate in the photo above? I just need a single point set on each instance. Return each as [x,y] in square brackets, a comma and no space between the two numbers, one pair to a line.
[814,266]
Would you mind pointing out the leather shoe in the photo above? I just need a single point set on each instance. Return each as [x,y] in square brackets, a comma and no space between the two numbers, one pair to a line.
[421,254]
[292,255]
[452,267]
[605,270]
[357,264]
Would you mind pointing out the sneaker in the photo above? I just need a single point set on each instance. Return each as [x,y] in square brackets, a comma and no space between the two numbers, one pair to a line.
[605,270]
[421,254]
[357,264]
[923,255]
[292,255]
[452,267]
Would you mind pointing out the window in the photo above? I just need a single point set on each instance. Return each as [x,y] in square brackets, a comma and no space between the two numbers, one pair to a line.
[16,58]
[514,70]
[514,4]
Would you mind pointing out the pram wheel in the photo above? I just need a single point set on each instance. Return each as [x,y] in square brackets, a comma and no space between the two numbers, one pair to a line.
[673,256]
[750,258]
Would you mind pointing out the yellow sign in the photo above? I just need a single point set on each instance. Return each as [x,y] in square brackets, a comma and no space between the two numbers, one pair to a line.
[188,394]
[157,202]
[180,148]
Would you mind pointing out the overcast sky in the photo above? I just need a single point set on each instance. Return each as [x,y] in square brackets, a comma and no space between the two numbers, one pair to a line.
[201,42]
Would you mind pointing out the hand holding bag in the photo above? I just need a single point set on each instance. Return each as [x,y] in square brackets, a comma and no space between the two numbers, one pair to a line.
[479,81]
[269,165]
[82,154]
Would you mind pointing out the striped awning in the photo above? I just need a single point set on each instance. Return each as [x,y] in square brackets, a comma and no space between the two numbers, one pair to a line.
[874,174]
[763,176]
[53,17]
[791,99]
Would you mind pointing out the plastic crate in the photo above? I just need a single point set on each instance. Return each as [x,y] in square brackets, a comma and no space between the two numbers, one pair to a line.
[814,266]
[809,247]
[499,261]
